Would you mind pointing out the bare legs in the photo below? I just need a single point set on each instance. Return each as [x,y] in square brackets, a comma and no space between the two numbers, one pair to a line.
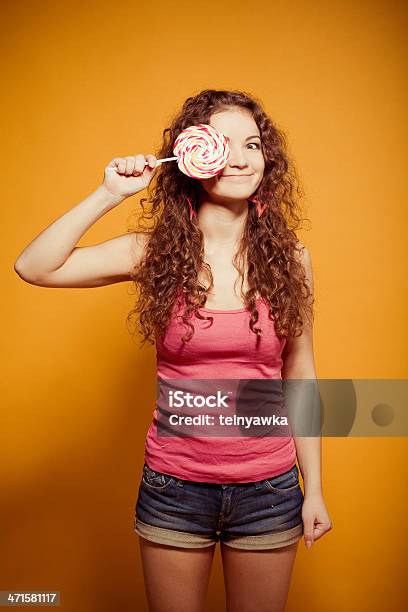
[176,579]
[257,580]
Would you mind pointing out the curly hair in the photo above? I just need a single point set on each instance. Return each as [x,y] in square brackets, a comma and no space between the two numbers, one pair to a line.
[174,252]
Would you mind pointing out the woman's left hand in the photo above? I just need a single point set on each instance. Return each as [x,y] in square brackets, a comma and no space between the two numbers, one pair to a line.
[316,519]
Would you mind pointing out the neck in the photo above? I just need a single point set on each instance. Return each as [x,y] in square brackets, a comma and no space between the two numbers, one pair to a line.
[222,223]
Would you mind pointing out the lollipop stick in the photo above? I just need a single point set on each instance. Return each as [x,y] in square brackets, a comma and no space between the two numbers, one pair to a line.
[164,159]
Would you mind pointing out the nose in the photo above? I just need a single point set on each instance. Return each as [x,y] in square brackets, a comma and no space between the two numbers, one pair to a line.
[237,157]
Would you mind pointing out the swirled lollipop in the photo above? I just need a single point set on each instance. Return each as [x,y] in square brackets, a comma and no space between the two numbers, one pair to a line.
[202,151]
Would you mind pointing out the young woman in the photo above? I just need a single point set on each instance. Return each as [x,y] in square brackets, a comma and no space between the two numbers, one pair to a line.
[208,235]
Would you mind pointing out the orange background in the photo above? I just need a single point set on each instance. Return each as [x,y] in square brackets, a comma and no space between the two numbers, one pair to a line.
[88,81]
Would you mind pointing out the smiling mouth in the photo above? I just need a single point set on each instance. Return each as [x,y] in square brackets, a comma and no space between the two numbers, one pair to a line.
[235,175]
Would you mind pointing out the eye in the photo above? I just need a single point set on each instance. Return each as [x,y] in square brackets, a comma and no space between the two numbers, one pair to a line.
[254,143]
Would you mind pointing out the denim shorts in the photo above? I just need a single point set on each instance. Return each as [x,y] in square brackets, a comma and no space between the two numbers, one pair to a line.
[251,515]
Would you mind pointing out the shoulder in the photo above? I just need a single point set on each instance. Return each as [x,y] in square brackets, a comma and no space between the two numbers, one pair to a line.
[301,251]
[139,239]
[302,254]
[138,242]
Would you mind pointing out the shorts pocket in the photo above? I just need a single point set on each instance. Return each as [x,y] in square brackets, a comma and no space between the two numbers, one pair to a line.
[156,480]
[284,483]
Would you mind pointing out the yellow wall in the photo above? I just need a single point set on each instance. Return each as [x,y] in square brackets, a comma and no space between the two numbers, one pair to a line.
[87,81]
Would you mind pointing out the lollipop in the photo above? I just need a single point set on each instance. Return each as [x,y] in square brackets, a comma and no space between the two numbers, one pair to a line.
[201,151]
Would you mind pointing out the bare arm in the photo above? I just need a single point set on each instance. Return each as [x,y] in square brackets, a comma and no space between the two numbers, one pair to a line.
[101,264]
[299,363]
[53,260]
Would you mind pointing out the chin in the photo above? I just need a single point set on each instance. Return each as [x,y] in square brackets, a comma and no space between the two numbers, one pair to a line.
[233,197]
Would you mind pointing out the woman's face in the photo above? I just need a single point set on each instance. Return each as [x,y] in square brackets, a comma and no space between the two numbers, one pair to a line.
[245,167]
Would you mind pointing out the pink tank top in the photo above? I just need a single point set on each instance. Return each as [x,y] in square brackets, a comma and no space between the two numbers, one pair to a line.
[225,349]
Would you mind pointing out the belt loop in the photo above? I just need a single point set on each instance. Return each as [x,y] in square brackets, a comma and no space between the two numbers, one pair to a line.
[258,484]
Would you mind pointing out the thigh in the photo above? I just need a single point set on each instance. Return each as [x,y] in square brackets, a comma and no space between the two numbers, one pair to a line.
[176,579]
[257,580]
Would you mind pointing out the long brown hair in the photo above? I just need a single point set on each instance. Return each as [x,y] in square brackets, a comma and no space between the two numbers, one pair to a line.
[174,253]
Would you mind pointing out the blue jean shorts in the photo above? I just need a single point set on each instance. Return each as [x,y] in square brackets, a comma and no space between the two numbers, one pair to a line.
[250,515]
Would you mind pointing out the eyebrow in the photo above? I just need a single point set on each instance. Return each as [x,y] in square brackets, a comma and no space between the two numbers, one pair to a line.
[248,138]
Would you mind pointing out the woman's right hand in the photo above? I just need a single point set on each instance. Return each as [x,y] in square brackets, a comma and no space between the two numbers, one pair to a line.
[125,176]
